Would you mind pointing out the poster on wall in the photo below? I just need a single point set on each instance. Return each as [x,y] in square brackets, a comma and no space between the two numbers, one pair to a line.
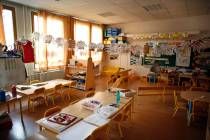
[135,57]
[183,56]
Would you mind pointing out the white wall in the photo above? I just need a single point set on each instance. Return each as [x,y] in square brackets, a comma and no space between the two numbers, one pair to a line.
[196,23]
[123,61]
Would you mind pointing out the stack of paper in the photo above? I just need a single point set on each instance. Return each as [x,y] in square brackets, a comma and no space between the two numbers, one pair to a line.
[106,111]
[74,132]
[96,119]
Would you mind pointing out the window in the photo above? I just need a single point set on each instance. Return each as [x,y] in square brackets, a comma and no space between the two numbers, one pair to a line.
[9,22]
[88,32]
[96,34]
[48,55]
[82,31]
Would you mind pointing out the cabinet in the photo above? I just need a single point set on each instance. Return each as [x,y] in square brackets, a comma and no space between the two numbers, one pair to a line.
[83,76]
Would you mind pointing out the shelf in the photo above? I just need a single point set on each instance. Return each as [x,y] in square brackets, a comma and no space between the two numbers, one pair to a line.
[75,67]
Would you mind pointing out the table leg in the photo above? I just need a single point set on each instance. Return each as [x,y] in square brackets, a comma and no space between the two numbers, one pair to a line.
[189,113]
[8,108]
[21,111]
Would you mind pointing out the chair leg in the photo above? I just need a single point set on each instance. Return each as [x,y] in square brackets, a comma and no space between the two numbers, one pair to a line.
[69,97]
[29,104]
[53,102]
[176,109]
[120,130]
[33,106]
[14,105]
[45,101]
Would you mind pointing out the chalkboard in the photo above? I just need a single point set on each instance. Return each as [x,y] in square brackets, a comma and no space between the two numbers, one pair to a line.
[163,60]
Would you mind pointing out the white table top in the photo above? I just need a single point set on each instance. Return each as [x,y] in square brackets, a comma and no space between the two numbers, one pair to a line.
[84,126]
[48,85]
[196,95]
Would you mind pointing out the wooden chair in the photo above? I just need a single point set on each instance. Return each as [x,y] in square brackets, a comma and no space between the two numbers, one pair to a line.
[178,104]
[58,90]
[74,102]
[37,96]
[122,117]
[101,133]
[67,90]
[52,110]
[199,109]
[90,93]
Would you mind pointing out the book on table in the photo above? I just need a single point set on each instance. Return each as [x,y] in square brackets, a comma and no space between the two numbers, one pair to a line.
[58,122]
[91,104]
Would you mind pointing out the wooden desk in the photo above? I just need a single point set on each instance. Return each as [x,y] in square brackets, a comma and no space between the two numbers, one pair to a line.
[192,96]
[76,109]
[104,97]
[48,86]
[10,99]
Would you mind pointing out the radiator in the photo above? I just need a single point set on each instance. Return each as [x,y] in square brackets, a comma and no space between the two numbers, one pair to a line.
[12,71]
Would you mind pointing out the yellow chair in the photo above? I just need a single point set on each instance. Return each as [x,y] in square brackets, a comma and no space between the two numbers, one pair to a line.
[124,116]
[178,104]
[37,96]
[52,110]
[110,70]
[58,90]
[101,133]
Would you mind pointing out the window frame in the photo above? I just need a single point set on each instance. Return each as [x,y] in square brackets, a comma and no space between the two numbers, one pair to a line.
[13,19]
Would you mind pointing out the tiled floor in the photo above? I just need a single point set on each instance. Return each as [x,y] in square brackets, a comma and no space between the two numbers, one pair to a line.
[152,120]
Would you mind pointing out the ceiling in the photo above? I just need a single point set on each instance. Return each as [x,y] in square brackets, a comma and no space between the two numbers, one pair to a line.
[123,11]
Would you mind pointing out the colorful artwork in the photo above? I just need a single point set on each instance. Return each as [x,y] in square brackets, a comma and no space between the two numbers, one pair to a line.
[183,56]
[135,57]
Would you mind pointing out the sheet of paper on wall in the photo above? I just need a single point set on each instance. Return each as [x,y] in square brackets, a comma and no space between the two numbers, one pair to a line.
[183,56]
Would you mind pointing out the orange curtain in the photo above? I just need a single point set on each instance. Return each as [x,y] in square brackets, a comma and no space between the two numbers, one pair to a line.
[2,36]
[82,31]
[41,47]
[68,35]
[51,55]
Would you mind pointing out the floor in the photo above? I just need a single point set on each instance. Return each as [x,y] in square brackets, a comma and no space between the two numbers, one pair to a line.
[152,119]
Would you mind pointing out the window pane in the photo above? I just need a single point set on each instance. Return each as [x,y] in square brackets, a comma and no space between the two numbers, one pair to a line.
[96,36]
[8,28]
[82,32]
[55,53]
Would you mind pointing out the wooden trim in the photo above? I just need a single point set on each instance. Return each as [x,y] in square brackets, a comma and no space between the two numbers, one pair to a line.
[13,18]
[32,19]
[90,33]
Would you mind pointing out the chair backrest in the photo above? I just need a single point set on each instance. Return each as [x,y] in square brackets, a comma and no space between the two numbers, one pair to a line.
[100,132]
[34,82]
[58,88]
[39,91]
[90,93]
[52,111]
[127,110]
